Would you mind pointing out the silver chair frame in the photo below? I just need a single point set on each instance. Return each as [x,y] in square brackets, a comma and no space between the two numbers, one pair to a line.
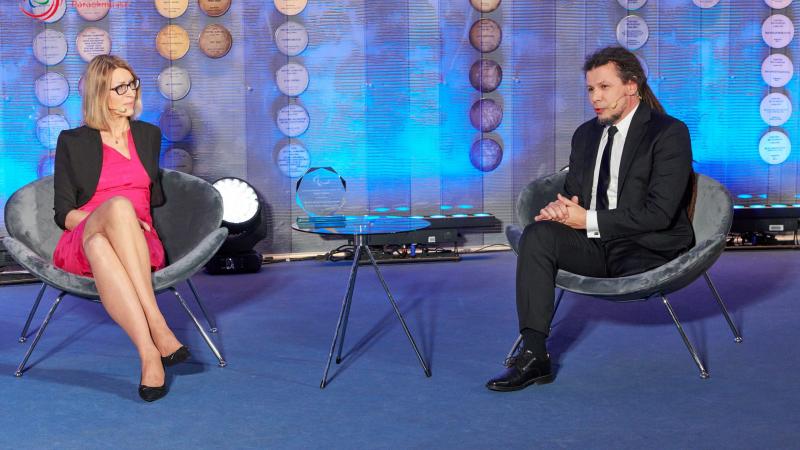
[23,337]
[703,371]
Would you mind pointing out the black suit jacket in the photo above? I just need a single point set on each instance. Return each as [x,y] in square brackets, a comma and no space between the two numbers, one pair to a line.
[654,181]
[79,158]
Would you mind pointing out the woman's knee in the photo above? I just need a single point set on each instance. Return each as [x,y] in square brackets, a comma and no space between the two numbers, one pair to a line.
[120,205]
[96,246]
[116,209]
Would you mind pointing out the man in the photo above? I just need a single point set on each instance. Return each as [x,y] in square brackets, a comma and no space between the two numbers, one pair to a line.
[623,210]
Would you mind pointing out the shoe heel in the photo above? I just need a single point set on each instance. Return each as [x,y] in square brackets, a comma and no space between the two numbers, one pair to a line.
[178,356]
[547,379]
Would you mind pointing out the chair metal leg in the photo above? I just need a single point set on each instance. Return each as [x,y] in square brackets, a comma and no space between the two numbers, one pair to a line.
[703,371]
[349,302]
[23,336]
[517,343]
[507,361]
[555,307]
[39,334]
[736,335]
[397,312]
[351,281]
[212,325]
[199,327]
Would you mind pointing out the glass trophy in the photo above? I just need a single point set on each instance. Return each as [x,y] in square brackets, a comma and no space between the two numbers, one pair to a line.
[320,193]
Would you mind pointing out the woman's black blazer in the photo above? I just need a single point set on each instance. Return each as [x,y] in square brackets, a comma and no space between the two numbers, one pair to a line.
[79,158]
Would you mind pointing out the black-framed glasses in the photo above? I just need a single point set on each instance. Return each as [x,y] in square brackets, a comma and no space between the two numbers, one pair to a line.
[123,88]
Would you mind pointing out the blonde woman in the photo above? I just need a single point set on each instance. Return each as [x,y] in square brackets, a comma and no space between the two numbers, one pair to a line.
[106,181]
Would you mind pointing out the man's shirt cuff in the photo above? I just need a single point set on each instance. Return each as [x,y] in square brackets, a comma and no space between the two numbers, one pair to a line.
[592,227]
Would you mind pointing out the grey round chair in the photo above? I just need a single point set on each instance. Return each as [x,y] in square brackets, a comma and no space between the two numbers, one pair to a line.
[188,224]
[711,213]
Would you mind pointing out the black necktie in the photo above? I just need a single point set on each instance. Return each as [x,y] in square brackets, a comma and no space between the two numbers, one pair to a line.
[605,171]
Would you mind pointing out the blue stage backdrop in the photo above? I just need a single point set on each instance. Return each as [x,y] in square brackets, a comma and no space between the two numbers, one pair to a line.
[389,96]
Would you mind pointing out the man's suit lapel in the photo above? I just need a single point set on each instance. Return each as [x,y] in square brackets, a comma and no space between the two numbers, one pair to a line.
[636,133]
[590,158]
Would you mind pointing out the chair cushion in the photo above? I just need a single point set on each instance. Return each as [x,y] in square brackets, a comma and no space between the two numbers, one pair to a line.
[48,273]
[29,217]
[514,234]
[665,279]
[711,221]
[537,194]
[192,211]
[191,262]
[188,224]
[85,286]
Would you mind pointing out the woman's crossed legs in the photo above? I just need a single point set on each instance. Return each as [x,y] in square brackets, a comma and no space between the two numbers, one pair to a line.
[115,246]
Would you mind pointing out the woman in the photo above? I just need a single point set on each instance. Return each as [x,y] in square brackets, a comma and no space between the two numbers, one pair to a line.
[106,180]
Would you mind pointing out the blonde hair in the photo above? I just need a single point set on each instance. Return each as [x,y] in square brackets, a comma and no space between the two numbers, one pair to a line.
[97,88]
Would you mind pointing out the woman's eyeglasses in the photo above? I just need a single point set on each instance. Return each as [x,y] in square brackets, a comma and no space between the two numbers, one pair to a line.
[123,88]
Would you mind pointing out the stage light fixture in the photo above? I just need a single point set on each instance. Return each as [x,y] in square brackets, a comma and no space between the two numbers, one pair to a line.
[245,217]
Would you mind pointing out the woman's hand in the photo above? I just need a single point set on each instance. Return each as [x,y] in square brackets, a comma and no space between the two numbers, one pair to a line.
[145,226]
[74,218]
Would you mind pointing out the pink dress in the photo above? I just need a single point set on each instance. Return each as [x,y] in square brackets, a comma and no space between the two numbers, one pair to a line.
[119,176]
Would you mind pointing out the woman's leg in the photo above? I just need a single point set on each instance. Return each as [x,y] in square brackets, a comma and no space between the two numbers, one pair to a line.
[120,300]
[116,220]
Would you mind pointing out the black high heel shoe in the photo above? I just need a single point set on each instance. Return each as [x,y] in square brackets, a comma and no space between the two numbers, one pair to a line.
[178,356]
[151,394]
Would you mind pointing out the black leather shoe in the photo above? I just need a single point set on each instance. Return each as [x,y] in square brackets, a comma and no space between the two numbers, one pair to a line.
[151,394]
[178,356]
[523,371]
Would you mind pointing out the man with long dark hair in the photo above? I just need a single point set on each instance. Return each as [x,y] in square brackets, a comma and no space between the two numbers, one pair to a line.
[622,211]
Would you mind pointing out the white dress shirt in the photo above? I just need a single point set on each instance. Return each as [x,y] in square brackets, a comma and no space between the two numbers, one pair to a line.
[592,227]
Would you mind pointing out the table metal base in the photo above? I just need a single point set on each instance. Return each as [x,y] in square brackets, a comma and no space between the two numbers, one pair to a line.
[360,244]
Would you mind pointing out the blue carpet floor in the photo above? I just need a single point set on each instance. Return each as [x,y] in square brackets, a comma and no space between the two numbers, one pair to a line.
[625,379]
